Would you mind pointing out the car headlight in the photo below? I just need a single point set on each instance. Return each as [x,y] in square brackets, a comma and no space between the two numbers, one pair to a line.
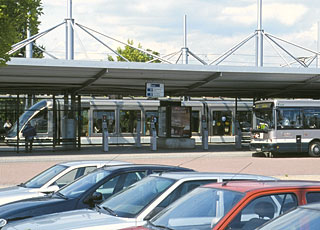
[3,222]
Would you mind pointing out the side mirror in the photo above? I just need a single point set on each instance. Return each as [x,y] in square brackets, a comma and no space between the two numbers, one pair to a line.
[50,189]
[95,198]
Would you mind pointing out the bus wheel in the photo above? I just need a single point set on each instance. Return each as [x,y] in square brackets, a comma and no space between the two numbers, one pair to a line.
[314,149]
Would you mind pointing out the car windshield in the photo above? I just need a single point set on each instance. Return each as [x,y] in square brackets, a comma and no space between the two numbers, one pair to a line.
[298,219]
[76,188]
[200,209]
[132,200]
[41,179]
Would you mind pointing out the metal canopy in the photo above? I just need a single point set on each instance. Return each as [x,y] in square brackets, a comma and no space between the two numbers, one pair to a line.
[46,76]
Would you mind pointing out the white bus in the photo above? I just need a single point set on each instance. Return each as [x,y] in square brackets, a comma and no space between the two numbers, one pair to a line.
[286,126]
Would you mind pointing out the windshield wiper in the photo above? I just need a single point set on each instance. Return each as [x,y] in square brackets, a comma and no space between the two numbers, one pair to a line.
[22,185]
[159,226]
[109,210]
[61,195]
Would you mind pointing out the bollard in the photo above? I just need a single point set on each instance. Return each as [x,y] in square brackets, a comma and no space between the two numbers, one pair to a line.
[138,138]
[105,134]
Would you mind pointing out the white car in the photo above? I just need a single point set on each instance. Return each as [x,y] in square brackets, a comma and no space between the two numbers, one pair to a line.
[130,207]
[51,180]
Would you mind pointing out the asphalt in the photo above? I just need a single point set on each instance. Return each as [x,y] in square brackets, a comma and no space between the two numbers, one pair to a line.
[19,167]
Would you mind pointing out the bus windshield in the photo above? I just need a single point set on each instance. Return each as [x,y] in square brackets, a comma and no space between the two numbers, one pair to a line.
[264,118]
[25,117]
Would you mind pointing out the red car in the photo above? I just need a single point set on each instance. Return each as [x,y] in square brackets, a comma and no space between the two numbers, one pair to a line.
[234,205]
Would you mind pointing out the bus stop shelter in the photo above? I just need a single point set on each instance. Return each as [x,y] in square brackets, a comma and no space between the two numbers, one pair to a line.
[79,78]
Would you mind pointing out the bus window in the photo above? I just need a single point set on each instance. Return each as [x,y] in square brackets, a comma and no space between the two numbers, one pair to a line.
[289,118]
[149,115]
[312,118]
[97,120]
[222,123]
[40,121]
[128,120]
[195,121]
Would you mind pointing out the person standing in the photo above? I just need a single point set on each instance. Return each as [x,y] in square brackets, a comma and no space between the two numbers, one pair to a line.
[29,132]
[7,125]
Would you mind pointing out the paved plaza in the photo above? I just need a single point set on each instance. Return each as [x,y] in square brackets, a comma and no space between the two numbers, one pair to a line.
[19,167]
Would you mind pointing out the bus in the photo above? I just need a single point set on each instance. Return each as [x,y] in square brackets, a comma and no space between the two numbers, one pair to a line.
[284,126]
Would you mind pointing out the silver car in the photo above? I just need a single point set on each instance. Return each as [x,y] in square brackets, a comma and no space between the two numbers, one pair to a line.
[132,206]
[51,179]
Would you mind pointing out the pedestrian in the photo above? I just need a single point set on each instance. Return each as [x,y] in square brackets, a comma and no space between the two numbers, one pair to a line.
[29,132]
[7,125]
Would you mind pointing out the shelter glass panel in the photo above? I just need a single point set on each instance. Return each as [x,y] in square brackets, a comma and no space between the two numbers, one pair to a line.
[128,120]
[162,121]
[40,121]
[195,121]
[148,119]
[180,121]
[97,120]
[85,123]
[221,123]
[245,120]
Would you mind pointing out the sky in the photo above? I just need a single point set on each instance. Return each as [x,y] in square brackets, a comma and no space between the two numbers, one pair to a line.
[213,27]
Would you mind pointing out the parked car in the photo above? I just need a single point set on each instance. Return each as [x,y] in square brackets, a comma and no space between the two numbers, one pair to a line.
[51,179]
[132,206]
[306,217]
[241,205]
[84,192]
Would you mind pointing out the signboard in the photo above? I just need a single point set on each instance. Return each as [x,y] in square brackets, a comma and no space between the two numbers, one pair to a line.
[154,89]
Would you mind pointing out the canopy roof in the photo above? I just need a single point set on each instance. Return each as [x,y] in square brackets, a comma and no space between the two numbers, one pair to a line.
[55,76]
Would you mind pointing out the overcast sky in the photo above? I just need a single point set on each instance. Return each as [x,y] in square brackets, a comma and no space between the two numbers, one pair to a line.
[213,26]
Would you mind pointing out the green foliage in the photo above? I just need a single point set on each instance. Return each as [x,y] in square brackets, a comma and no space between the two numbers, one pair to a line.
[134,55]
[15,16]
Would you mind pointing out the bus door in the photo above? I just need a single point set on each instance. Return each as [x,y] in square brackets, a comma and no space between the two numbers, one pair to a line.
[290,129]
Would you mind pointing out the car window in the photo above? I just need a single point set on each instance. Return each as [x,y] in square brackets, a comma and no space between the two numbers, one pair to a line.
[262,209]
[179,192]
[313,197]
[45,176]
[73,174]
[119,182]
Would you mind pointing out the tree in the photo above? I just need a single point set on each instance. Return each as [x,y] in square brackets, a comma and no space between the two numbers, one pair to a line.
[15,17]
[134,55]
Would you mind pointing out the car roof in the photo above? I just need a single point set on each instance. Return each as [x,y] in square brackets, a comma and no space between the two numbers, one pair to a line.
[231,176]
[247,186]
[315,206]
[92,162]
[147,166]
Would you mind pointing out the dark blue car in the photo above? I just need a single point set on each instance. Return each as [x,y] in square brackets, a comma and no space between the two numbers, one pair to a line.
[84,192]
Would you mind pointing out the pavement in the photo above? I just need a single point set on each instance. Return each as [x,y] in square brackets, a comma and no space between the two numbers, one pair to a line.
[19,167]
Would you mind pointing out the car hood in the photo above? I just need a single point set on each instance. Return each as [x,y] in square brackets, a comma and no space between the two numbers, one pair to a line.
[15,193]
[83,219]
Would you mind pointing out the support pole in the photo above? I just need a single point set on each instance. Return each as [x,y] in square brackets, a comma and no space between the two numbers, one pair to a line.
[259,38]
[205,145]
[185,48]
[318,44]
[54,125]
[70,33]
[29,50]
[18,123]
[238,132]
[80,119]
